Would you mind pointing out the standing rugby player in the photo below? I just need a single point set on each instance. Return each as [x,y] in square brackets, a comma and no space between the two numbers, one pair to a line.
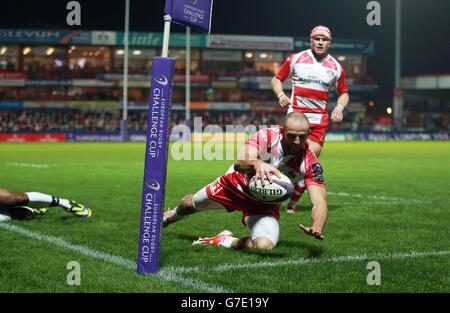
[314,73]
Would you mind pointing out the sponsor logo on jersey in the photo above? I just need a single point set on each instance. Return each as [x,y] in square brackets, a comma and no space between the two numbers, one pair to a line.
[215,187]
[318,172]
[310,80]
[330,73]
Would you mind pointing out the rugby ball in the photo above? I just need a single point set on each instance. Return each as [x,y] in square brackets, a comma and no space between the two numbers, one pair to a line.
[280,189]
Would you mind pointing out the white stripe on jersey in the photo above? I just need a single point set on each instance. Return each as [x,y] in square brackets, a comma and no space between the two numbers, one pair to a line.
[295,59]
[311,103]
[280,156]
[303,167]
[314,118]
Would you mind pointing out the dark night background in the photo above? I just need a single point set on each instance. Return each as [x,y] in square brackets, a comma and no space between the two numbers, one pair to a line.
[425,25]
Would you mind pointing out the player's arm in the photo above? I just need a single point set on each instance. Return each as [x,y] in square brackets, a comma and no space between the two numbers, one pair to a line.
[337,115]
[277,83]
[277,87]
[342,88]
[319,215]
[248,160]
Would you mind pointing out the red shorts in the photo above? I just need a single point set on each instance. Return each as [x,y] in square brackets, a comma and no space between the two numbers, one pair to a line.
[317,134]
[225,190]
[318,131]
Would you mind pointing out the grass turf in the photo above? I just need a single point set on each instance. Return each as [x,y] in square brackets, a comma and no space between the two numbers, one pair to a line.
[384,197]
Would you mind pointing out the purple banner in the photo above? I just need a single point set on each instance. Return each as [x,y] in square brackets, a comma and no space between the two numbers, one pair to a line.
[155,164]
[193,13]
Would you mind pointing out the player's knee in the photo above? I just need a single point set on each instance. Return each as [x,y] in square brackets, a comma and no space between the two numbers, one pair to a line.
[263,243]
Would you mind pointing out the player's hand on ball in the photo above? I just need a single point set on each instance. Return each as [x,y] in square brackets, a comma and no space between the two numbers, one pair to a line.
[310,231]
[264,171]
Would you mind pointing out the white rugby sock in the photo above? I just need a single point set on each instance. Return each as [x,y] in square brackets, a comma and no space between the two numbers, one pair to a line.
[39,200]
[228,241]
[64,203]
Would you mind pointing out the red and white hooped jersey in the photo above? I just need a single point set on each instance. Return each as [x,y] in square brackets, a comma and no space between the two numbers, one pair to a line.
[232,191]
[304,166]
[312,81]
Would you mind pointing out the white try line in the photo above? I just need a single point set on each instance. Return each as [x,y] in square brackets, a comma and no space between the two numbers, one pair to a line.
[361,203]
[165,273]
[383,198]
[32,165]
[304,261]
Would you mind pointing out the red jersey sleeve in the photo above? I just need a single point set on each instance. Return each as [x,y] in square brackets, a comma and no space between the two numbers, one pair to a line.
[314,171]
[341,83]
[285,69]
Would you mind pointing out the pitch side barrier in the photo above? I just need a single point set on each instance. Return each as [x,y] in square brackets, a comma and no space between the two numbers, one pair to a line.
[109,136]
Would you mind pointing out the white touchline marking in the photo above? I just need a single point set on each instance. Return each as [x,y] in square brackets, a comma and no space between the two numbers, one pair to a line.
[164,273]
[303,261]
[33,165]
[356,195]
[333,259]
[361,203]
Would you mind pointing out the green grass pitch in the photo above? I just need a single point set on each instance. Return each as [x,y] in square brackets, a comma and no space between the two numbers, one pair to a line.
[388,202]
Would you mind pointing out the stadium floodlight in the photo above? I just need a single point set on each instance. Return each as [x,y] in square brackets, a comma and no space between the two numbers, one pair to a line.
[50,51]
[195,14]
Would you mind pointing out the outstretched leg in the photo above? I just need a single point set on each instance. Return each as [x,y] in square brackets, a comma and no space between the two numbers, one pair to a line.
[12,199]
[12,206]
[191,204]
[39,202]
[264,234]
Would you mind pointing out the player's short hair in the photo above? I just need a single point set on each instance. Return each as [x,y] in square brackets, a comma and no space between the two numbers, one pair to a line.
[299,116]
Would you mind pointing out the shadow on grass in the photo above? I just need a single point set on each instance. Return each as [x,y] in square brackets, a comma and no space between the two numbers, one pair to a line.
[263,253]
[305,207]
[188,238]
[314,251]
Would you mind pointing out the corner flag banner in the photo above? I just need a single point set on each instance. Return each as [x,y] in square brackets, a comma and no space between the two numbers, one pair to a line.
[155,169]
[193,13]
